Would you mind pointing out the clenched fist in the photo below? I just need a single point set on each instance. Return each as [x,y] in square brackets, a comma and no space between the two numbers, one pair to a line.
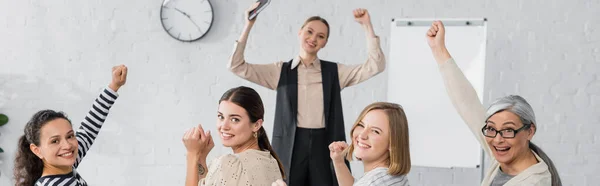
[337,151]
[197,142]
[435,37]
[119,77]
[361,16]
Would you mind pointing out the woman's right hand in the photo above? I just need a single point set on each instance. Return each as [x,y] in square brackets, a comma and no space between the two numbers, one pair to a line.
[336,151]
[198,143]
[435,35]
[247,14]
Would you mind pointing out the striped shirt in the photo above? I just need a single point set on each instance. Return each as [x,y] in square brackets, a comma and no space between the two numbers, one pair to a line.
[86,134]
[380,177]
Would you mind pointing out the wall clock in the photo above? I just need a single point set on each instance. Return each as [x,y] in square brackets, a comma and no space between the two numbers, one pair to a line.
[186,20]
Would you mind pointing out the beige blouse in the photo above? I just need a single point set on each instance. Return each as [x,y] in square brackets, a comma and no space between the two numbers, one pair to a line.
[248,168]
[310,85]
[465,100]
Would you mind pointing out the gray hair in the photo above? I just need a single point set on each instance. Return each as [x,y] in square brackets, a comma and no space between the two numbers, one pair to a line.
[519,106]
[515,104]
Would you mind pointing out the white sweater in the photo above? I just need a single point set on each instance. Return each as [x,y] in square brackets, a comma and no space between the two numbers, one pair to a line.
[465,100]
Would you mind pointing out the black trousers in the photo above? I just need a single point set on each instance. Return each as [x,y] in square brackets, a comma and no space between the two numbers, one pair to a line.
[310,164]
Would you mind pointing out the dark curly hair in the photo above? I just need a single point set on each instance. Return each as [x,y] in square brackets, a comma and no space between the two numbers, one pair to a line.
[28,167]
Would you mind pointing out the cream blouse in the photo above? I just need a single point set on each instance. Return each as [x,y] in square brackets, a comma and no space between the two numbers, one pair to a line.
[248,168]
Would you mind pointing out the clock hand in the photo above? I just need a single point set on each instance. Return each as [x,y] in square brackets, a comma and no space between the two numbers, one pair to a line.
[190,18]
[182,12]
[195,24]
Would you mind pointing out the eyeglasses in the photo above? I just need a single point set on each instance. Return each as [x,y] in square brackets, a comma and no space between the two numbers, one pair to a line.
[506,133]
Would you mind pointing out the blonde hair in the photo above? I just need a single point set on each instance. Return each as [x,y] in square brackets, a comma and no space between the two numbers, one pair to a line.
[399,160]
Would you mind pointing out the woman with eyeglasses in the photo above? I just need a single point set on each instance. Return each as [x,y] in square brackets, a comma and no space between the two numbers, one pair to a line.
[508,125]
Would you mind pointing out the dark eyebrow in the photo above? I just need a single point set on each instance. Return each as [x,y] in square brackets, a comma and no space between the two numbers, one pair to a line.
[231,115]
[56,136]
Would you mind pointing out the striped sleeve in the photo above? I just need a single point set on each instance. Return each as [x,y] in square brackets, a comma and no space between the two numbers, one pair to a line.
[91,124]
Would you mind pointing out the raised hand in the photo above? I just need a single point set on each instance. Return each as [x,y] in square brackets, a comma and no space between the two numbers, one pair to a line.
[362,16]
[436,35]
[337,151]
[119,77]
[247,13]
[436,40]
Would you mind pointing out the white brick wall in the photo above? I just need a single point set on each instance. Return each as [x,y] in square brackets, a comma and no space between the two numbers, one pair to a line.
[57,54]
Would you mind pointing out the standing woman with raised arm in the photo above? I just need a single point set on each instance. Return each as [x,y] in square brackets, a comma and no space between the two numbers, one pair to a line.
[49,150]
[308,114]
[504,130]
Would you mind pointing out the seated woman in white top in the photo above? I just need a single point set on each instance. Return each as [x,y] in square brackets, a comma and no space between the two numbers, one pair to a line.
[505,130]
[380,141]
[239,124]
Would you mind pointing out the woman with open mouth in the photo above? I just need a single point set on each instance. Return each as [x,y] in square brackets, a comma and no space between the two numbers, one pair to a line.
[504,130]
[50,151]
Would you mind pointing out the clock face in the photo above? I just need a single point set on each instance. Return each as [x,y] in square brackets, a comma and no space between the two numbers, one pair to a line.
[186,20]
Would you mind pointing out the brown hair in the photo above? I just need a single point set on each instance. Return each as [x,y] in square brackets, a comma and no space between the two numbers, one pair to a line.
[317,18]
[249,99]
[399,162]
[29,167]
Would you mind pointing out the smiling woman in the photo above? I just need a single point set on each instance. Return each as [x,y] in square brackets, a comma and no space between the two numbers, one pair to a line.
[309,104]
[380,140]
[508,125]
[239,125]
[50,150]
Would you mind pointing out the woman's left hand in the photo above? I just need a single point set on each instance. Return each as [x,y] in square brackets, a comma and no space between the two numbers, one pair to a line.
[361,16]
[119,77]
